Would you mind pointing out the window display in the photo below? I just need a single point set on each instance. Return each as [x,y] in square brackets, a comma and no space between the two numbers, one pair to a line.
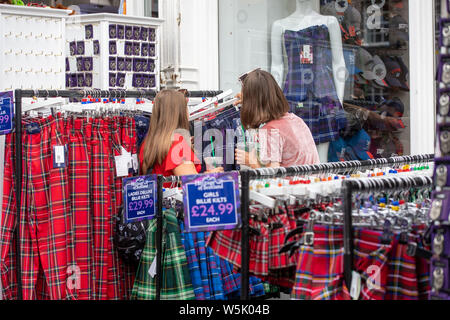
[343,66]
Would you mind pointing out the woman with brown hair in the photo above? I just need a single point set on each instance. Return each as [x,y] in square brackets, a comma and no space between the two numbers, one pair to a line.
[283,139]
[166,149]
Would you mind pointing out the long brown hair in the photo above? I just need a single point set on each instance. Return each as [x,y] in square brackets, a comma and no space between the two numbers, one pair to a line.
[262,100]
[169,114]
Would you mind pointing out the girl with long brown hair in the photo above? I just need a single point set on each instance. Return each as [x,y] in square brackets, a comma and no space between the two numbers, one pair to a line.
[166,149]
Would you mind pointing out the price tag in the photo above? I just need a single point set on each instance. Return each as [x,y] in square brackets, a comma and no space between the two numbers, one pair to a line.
[6,112]
[139,195]
[306,56]
[211,202]
[59,157]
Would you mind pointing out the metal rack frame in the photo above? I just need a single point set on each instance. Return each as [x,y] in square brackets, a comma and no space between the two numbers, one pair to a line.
[80,94]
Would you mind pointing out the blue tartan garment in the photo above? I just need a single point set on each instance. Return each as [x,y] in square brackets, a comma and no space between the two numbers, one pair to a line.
[211,275]
[193,263]
[309,86]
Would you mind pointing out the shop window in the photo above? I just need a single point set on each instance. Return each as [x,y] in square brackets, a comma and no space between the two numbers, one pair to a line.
[343,66]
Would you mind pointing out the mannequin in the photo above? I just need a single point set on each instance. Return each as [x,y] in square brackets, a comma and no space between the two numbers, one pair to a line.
[304,17]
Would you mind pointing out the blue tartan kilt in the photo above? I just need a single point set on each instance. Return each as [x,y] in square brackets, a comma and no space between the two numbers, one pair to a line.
[325,117]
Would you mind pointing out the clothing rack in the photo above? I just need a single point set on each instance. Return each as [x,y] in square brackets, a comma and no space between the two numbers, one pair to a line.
[333,167]
[351,186]
[80,94]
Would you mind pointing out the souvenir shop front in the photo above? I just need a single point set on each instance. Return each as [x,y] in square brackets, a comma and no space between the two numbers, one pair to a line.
[348,201]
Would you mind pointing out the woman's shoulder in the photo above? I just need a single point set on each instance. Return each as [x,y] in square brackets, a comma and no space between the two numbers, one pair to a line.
[283,121]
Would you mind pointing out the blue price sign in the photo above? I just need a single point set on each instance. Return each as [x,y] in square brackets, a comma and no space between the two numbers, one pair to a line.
[6,112]
[211,202]
[139,195]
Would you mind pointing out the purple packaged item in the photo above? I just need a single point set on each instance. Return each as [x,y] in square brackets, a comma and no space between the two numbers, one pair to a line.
[73,48]
[80,48]
[96,47]
[444,69]
[443,139]
[440,243]
[444,39]
[439,275]
[137,65]
[113,47]
[152,81]
[144,49]
[129,32]
[88,63]
[439,296]
[151,50]
[152,35]
[120,82]
[88,31]
[80,64]
[120,31]
[80,80]
[144,34]
[88,80]
[441,174]
[128,64]
[67,65]
[444,103]
[112,80]
[137,80]
[136,49]
[120,64]
[113,31]
[137,33]
[145,65]
[145,81]
[151,65]
[73,80]
[112,63]
[440,206]
[129,48]
[68,80]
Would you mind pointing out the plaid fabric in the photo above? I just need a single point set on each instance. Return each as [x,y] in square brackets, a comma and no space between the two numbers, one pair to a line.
[47,240]
[277,236]
[320,268]
[200,250]
[66,219]
[211,273]
[116,270]
[231,282]
[309,88]
[423,276]
[8,223]
[402,278]
[100,204]
[227,245]
[306,78]
[79,190]
[176,281]
[193,263]
[324,117]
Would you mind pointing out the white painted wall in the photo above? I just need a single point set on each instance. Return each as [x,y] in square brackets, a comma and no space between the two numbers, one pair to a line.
[422,76]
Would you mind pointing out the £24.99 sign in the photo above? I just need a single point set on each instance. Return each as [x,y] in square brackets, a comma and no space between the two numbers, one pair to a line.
[211,202]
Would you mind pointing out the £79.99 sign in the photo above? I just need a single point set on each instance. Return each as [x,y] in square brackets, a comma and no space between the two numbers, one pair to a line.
[211,202]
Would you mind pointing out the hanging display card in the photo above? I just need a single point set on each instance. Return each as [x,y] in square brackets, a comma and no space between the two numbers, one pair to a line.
[6,112]
[139,195]
[211,202]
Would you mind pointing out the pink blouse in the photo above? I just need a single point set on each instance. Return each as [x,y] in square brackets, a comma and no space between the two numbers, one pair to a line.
[287,141]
